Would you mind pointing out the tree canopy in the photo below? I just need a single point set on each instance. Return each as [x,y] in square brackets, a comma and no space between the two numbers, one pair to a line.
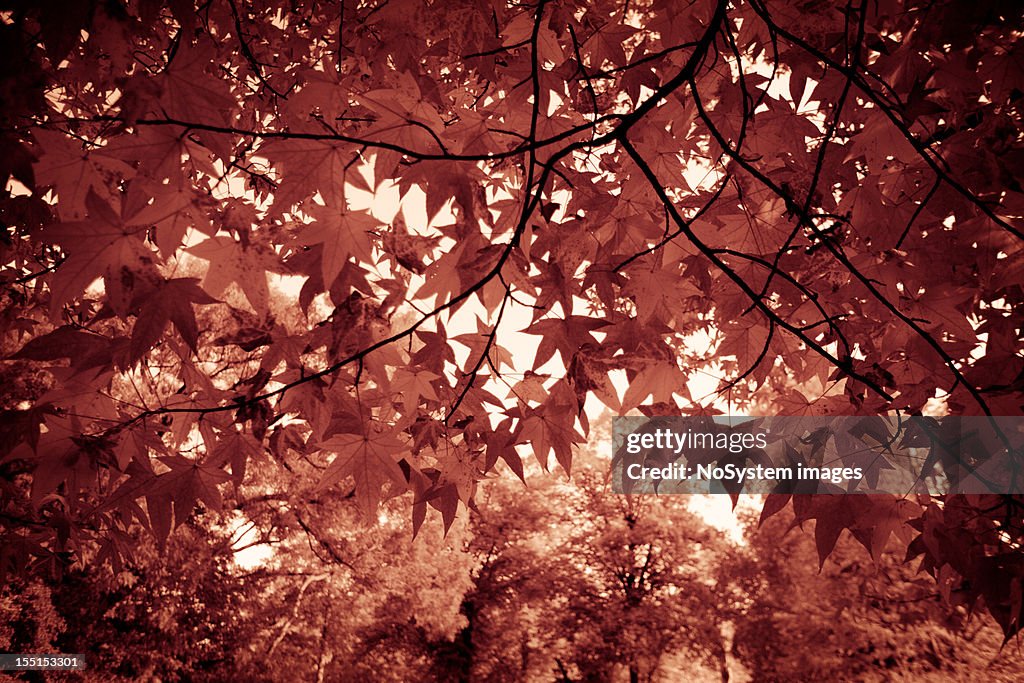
[385,248]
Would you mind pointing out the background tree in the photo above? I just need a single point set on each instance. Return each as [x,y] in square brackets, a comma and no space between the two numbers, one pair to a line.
[520,582]
[870,618]
[650,588]
[830,193]
[554,581]
[578,583]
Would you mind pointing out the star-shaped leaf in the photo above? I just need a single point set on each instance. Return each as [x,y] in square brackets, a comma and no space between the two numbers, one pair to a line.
[370,458]
[170,302]
[230,261]
[344,235]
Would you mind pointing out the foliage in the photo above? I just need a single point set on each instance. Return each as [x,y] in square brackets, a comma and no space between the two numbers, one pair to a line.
[200,280]
[869,619]
[652,588]
[376,608]
[577,583]
[558,581]
[178,614]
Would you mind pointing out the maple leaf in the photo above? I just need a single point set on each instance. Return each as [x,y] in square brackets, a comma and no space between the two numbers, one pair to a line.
[402,117]
[308,167]
[173,495]
[159,153]
[344,235]
[170,302]
[429,490]
[657,380]
[62,459]
[370,458]
[435,351]
[189,93]
[86,349]
[232,262]
[445,182]
[100,246]
[413,386]
[565,335]
[459,469]
[659,292]
[940,308]
[237,448]
[551,430]
[745,339]
[65,165]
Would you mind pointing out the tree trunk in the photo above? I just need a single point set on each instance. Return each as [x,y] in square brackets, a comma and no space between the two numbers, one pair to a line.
[325,653]
[562,671]
[464,643]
